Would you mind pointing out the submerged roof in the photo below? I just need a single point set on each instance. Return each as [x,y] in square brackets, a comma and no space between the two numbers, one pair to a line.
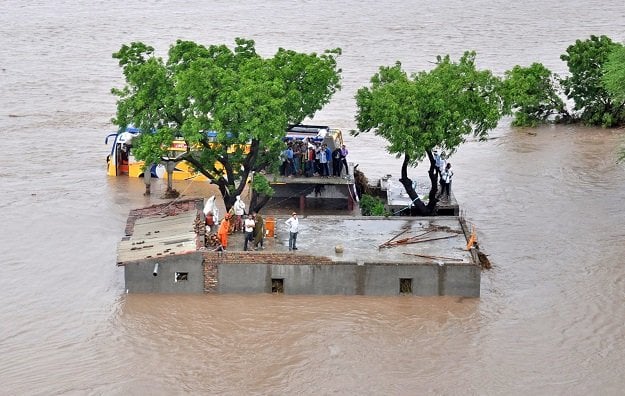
[159,236]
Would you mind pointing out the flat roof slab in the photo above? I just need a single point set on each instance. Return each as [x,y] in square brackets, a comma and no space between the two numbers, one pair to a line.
[159,236]
[412,239]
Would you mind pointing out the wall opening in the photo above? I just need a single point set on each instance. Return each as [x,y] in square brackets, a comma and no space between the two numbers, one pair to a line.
[277,285]
[405,286]
[181,276]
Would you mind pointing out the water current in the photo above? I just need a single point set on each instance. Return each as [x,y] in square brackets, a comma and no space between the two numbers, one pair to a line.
[548,208]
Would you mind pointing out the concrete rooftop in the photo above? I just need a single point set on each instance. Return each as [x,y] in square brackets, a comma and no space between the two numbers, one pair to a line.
[440,239]
[361,237]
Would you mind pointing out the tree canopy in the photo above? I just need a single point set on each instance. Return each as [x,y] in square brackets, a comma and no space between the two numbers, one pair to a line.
[613,77]
[248,100]
[614,80]
[585,60]
[532,94]
[437,108]
[593,86]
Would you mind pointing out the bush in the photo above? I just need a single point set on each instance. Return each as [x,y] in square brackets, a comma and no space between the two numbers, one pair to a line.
[372,206]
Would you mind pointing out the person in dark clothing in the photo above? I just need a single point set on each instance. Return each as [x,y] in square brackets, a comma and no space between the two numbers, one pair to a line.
[447,175]
[336,162]
[259,231]
[343,161]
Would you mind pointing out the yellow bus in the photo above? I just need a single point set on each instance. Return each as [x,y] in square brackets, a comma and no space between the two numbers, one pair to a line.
[121,162]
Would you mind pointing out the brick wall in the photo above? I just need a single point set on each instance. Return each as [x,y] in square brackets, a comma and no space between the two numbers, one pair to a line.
[211,277]
[264,258]
[212,260]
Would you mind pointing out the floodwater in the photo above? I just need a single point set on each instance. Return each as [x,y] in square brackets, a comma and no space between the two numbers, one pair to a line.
[548,207]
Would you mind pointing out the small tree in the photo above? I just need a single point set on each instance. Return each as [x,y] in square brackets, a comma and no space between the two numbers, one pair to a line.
[429,109]
[248,100]
[532,94]
[613,80]
[613,77]
[585,60]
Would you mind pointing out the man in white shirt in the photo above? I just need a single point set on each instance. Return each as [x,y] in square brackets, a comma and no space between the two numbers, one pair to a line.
[239,211]
[249,230]
[293,224]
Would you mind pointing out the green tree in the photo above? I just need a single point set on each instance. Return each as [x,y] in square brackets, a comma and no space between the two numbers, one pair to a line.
[429,109]
[614,80]
[248,100]
[585,60]
[532,94]
[613,77]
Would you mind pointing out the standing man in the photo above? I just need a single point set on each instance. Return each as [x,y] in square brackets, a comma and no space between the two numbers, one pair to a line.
[293,224]
[328,159]
[438,162]
[222,233]
[239,211]
[336,162]
[323,161]
[447,175]
[297,159]
[249,230]
[310,163]
[344,153]
[318,170]
[290,167]
[259,231]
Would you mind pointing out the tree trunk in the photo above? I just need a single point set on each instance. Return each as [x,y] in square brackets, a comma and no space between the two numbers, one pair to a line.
[433,184]
[147,179]
[418,207]
[258,201]
[225,194]
[170,192]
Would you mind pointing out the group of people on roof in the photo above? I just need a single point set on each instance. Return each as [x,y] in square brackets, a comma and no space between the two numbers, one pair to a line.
[252,224]
[309,158]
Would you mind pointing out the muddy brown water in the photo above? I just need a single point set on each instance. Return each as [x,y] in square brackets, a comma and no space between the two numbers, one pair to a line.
[548,208]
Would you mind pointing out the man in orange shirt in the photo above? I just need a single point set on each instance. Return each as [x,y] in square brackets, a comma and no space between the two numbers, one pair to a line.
[222,233]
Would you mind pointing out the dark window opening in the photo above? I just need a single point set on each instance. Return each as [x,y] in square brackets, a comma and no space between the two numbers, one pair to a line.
[405,286]
[277,286]
[181,276]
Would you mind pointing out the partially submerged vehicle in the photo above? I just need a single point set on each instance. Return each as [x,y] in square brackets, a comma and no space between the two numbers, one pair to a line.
[321,134]
[121,162]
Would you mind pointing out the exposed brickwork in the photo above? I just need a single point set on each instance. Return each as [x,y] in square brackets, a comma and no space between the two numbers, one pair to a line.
[264,258]
[211,277]
[200,230]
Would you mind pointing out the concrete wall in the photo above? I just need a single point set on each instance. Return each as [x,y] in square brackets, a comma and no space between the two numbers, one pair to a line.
[384,279]
[331,191]
[140,279]
[458,280]
[349,279]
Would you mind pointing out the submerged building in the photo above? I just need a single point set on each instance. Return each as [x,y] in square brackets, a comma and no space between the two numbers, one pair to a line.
[164,251]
